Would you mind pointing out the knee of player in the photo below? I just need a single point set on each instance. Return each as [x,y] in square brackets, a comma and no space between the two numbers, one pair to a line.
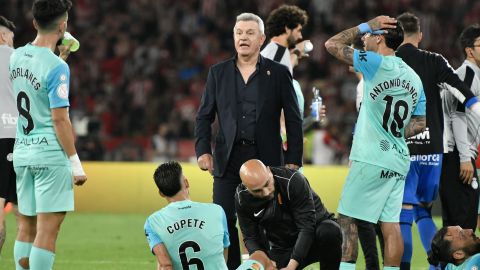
[329,233]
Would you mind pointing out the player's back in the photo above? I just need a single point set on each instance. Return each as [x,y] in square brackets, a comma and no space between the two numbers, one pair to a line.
[391,93]
[194,234]
[40,82]
[431,68]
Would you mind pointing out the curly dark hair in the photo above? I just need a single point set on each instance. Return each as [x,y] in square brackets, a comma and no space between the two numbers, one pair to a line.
[167,178]
[47,12]
[441,249]
[285,15]
[6,23]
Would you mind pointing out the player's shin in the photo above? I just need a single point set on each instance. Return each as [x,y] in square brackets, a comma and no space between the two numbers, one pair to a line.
[21,254]
[41,258]
[350,242]
[406,220]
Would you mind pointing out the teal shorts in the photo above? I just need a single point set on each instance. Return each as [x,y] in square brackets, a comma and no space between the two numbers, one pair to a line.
[372,193]
[44,189]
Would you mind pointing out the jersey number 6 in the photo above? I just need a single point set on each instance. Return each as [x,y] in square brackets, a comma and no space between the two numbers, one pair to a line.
[193,261]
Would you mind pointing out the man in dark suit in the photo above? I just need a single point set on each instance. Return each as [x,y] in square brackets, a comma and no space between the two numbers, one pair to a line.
[246,93]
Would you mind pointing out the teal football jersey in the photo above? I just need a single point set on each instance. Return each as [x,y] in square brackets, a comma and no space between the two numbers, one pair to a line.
[194,234]
[40,82]
[472,263]
[392,93]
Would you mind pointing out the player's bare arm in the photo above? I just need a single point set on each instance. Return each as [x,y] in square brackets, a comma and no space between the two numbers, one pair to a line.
[416,125]
[339,45]
[163,258]
[64,131]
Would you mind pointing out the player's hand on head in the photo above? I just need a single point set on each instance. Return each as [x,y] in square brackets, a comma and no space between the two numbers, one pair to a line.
[205,162]
[382,22]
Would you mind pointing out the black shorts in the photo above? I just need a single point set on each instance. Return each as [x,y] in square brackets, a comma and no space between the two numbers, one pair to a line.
[8,189]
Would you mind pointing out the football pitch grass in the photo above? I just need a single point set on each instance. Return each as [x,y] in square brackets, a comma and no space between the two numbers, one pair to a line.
[117,242]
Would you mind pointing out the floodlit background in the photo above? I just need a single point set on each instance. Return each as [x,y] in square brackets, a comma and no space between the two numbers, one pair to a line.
[137,79]
[136,83]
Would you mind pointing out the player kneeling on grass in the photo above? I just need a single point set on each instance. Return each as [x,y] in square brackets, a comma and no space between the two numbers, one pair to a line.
[185,233]
[458,248]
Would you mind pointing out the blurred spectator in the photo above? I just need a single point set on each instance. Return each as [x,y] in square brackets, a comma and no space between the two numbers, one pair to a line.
[143,63]
[163,144]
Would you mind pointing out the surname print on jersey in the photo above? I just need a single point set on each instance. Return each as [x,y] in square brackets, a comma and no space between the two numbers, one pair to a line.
[186,223]
[27,75]
[385,85]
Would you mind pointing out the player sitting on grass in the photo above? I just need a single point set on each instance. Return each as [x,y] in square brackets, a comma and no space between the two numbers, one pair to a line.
[184,232]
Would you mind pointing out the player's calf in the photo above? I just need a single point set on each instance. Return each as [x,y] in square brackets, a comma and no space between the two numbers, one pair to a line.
[350,242]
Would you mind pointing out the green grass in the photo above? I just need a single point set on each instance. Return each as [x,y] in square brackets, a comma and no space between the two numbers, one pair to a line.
[117,242]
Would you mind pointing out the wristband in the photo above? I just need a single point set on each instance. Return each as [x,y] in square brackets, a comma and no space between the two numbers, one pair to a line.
[76,165]
[364,28]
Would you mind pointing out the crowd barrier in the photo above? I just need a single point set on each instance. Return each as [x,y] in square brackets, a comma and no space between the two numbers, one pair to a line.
[128,187]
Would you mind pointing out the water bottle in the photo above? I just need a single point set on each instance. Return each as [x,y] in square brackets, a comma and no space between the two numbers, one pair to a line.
[69,39]
[474,183]
[307,47]
[316,104]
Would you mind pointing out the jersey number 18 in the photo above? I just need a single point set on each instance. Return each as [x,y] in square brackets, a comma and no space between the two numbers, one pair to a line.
[398,120]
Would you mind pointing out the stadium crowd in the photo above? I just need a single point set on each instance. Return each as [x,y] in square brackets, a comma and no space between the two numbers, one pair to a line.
[142,66]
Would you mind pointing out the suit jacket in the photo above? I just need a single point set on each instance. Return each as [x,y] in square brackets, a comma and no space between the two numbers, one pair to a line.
[219,99]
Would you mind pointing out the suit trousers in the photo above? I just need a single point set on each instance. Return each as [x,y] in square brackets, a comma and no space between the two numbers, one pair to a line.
[459,201]
[224,195]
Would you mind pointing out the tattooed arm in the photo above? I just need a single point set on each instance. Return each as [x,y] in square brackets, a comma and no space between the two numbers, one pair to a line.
[339,45]
[416,125]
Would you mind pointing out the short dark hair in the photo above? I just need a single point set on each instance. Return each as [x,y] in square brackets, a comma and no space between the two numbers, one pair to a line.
[167,178]
[468,36]
[46,12]
[410,23]
[441,250]
[394,36]
[6,23]
[285,15]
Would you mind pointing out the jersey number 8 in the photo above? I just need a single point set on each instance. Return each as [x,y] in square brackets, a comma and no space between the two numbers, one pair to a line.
[25,112]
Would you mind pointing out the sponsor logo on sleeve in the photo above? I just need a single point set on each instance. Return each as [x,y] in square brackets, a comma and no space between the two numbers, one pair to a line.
[62,91]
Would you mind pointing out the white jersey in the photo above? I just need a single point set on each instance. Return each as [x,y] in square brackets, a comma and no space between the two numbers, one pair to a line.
[462,128]
[8,109]
[278,53]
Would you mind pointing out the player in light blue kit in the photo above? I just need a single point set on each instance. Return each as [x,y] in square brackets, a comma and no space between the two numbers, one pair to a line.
[44,156]
[186,234]
[457,247]
[393,108]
